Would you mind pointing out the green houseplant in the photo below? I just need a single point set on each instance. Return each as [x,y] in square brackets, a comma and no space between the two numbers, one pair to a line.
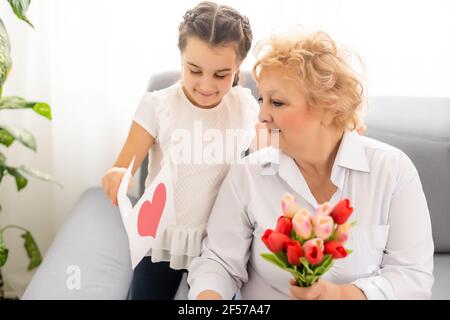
[9,134]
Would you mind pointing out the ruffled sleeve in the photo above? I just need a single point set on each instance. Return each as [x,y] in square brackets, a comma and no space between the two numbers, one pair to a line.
[145,114]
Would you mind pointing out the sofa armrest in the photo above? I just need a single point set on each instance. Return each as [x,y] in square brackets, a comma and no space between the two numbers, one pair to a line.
[91,244]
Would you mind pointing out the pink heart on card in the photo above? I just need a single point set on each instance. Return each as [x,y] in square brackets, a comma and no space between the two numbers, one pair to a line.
[150,212]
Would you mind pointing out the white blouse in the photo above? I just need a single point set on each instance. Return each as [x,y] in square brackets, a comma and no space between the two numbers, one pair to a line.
[182,129]
[392,243]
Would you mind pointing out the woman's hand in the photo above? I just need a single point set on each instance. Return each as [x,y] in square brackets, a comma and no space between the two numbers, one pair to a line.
[324,290]
[209,295]
[321,290]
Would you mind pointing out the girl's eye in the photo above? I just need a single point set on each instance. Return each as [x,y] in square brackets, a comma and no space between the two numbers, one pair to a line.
[195,72]
[219,76]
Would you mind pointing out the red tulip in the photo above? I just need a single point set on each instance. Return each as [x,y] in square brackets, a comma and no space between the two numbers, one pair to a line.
[336,249]
[275,241]
[284,226]
[294,252]
[313,252]
[341,211]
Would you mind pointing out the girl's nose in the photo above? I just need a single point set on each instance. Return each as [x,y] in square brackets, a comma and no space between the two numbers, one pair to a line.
[206,84]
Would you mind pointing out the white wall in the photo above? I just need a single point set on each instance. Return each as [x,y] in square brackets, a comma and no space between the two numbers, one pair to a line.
[91,60]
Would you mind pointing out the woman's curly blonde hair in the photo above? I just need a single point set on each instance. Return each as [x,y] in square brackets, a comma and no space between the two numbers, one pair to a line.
[322,71]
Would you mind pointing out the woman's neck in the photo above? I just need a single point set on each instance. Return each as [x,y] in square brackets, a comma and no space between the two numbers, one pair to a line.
[317,161]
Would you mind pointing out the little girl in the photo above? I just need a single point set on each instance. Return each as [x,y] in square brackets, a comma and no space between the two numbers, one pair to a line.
[213,42]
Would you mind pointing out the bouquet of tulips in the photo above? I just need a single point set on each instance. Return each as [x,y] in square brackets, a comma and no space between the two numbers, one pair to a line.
[306,245]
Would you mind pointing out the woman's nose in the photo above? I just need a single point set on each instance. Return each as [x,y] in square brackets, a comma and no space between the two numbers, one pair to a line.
[264,114]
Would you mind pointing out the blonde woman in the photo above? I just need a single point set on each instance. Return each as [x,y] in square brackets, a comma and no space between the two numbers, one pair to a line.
[311,95]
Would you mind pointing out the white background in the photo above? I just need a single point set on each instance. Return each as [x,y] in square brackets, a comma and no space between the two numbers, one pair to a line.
[91,60]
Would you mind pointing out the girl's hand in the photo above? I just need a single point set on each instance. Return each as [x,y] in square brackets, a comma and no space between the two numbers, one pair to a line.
[111,181]
[321,290]
[209,295]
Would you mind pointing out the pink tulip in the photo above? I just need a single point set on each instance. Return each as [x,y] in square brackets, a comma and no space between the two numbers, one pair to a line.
[324,209]
[323,226]
[289,206]
[342,232]
[313,250]
[302,224]
[316,242]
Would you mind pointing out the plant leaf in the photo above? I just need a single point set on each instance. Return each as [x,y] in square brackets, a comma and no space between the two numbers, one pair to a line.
[38,174]
[22,135]
[32,250]
[2,158]
[2,170]
[5,54]
[6,138]
[21,181]
[14,102]
[3,254]
[42,109]
[20,8]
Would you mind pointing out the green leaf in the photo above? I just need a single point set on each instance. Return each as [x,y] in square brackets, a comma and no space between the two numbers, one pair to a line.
[2,158]
[349,251]
[5,54]
[14,102]
[20,8]
[2,170]
[22,135]
[21,181]
[324,266]
[305,263]
[42,109]
[272,259]
[3,254]
[38,174]
[298,276]
[281,256]
[6,138]
[32,251]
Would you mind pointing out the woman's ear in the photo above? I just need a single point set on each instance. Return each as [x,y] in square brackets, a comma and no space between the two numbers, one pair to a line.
[328,117]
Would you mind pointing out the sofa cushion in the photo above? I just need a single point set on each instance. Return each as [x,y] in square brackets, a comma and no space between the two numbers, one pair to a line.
[420,128]
[91,244]
[441,272]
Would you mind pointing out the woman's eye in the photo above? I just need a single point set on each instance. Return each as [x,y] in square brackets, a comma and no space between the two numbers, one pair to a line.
[277,103]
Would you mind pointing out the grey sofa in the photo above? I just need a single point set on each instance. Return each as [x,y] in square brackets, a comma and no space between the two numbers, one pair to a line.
[93,239]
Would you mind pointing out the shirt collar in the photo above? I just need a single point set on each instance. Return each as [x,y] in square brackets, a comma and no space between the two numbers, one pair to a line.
[351,155]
